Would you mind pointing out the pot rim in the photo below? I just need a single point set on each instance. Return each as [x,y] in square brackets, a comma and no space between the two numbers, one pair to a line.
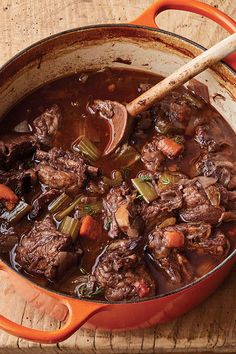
[82,28]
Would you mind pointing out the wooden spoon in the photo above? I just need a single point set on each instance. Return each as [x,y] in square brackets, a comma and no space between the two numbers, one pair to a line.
[122,116]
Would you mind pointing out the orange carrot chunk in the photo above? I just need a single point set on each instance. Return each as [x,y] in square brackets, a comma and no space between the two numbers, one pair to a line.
[8,197]
[174,238]
[170,148]
[90,228]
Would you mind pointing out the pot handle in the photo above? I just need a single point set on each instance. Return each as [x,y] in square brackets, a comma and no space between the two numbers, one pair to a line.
[78,314]
[147,18]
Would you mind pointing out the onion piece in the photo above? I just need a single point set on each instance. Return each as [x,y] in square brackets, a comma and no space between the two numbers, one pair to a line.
[22,127]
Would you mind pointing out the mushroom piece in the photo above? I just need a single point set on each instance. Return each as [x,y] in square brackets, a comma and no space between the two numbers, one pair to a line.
[127,220]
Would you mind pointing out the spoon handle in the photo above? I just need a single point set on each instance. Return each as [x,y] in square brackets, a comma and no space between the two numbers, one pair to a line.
[182,75]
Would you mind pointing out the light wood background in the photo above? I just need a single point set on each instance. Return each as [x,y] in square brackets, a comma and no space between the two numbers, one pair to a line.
[209,328]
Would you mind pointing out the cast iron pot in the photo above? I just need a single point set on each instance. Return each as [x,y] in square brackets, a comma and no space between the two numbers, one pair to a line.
[140,45]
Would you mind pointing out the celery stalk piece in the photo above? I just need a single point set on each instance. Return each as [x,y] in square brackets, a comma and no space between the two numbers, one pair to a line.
[145,188]
[59,203]
[126,156]
[70,226]
[115,181]
[17,213]
[87,148]
[60,215]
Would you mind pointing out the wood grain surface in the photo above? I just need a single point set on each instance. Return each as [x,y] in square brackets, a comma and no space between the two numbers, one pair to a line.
[209,328]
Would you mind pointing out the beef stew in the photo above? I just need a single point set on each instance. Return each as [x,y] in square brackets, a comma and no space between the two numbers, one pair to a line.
[152,217]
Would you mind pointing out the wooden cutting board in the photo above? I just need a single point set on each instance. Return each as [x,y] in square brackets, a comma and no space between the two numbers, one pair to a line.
[209,328]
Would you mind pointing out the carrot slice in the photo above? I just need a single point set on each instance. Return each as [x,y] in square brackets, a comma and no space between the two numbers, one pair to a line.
[90,228]
[174,238]
[8,197]
[170,148]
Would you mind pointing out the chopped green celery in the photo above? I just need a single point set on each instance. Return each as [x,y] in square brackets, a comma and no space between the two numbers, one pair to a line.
[145,178]
[17,213]
[115,181]
[60,215]
[126,156]
[70,226]
[87,148]
[59,203]
[145,188]
[89,209]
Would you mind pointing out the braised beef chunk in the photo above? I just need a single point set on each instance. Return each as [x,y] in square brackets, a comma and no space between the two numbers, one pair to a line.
[105,108]
[205,138]
[46,251]
[217,245]
[16,147]
[217,166]
[96,188]
[172,114]
[157,244]
[167,258]
[164,245]
[147,219]
[152,157]
[171,199]
[61,169]
[143,124]
[177,268]
[194,195]
[200,238]
[120,214]
[47,125]
[121,274]
[201,204]
[155,212]
[20,180]
[205,213]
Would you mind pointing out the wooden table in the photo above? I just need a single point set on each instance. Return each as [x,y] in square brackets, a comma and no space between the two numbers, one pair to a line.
[209,328]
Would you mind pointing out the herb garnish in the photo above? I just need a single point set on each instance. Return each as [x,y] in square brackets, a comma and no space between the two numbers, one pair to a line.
[165,180]
[145,178]
[139,196]
[84,290]
[88,209]
[126,171]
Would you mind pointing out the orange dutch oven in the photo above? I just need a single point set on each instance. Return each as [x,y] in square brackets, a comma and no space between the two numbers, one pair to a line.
[143,45]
